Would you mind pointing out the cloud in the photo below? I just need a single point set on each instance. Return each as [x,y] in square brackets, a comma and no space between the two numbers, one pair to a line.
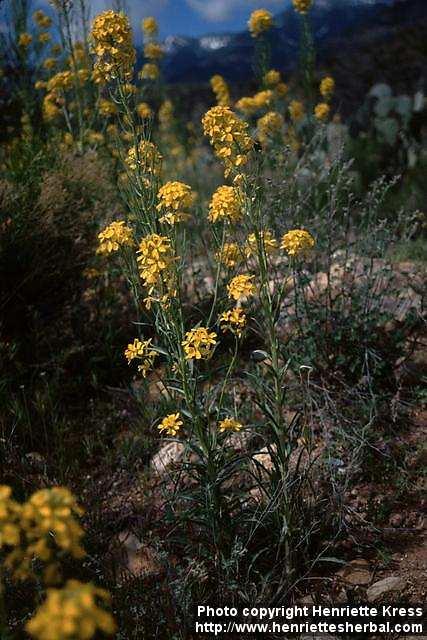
[222,10]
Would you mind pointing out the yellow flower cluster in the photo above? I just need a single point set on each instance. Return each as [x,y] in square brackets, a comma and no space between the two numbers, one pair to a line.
[73,613]
[25,39]
[297,242]
[112,44]
[149,71]
[153,51]
[155,258]
[267,240]
[250,105]
[221,91]
[241,287]
[230,254]
[141,351]
[228,136]
[51,106]
[233,320]
[62,80]
[44,37]
[327,87]
[145,157]
[229,424]
[272,78]
[302,6]
[198,343]
[321,111]
[226,204]
[42,20]
[49,63]
[144,110]
[149,26]
[175,198]
[269,126]
[39,528]
[171,424]
[114,236]
[296,110]
[260,21]
[107,107]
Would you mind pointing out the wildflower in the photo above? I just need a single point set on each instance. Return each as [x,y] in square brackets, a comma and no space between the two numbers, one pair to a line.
[165,114]
[143,352]
[94,137]
[114,236]
[272,78]
[302,6]
[42,20]
[112,44]
[56,49]
[321,111]
[174,199]
[149,71]
[198,343]
[25,39]
[229,424]
[225,204]
[155,259]
[106,107]
[50,107]
[296,110]
[49,63]
[233,320]
[40,84]
[228,136]
[267,240]
[171,424]
[260,21]
[247,105]
[269,125]
[241,287]
[72,612]
[230,254]
[9,519]
[144,110]
[263,99]
[44,37]
[281,89]
[297,242]
[60,81]
[153,51]
[221,90]
[145,157]
[149,26]
[327,87]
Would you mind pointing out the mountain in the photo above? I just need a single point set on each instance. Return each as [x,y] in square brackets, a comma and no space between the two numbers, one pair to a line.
[364,41]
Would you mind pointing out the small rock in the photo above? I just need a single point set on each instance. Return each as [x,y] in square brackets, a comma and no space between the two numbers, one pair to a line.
[380,588]
[357,572]
[168,454]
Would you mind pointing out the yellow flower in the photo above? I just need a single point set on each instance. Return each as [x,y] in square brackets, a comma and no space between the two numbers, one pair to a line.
[296,110]
[174,199]
[272,78]
[263,99]
[144,110]
[321,111]
[228,136]
[221,90]
[281,89]
[50,107]
[61,80]
[94,137]
[106,107]
[56,49]
[153,51]
[25,39]
[269,125]
[297,242]
[171,424]
[198,343]
[155,258]
[241,287]
[146,158]
[112,45]
[327,87]
[114,236]
[260,21]
[233,320]
[42,20]
[247,105]
[40,84]
[229,424]
[149,71]
[268,241]
[49,63]
[138,350]
[44,37]
[226,205]
[149,26]
[230,254]
[9,518]
[73,613]
[302,6]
